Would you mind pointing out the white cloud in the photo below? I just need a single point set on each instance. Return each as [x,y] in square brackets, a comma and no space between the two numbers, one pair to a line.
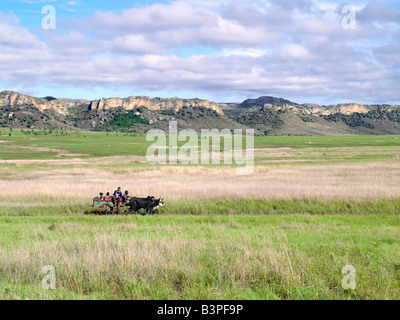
[254,53]
[294,51]
[159,27]
[274,48]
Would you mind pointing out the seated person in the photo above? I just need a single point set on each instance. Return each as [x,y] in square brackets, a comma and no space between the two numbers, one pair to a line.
[117,193]
[125,197]
[99,197]
[117,196]
[107,197]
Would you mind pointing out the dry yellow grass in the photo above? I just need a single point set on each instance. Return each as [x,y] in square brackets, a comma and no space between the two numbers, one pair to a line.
[106,261]
[80,185]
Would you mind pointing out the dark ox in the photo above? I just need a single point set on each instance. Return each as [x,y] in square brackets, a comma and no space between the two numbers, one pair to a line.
[150,204]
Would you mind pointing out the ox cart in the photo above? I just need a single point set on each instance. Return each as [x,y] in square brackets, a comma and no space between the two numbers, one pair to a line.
[150,205]
[110,207]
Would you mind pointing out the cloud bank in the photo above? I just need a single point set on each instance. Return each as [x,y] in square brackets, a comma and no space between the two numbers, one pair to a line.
[295,49]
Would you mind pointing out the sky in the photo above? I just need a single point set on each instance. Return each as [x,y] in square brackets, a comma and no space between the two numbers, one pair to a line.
[223,51]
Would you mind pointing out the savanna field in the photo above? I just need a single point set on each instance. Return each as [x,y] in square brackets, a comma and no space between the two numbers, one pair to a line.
[312,206]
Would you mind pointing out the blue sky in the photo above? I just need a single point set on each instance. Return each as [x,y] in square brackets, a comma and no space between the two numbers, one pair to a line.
[224,51]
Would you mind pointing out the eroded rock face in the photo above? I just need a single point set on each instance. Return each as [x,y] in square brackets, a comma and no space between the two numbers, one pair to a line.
[346,109]
[353,108]
[14,98]
[61,105]
[154,104]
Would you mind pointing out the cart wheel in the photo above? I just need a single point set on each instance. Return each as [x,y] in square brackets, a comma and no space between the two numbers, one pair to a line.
[106,209]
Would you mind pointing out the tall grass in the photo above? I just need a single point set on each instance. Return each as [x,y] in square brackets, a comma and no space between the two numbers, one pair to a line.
[284,232]
[70,186]
[207,257]
[240,206]
[287,206]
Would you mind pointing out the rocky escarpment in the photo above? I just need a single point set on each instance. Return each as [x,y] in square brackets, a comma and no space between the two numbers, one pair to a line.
[263,101]
[279,104]
[11,98]
[346,109]
[154,104]
[267,115]
[317,110]
[135,113]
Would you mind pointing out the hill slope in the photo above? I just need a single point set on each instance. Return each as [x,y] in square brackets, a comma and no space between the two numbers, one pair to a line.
[267,115]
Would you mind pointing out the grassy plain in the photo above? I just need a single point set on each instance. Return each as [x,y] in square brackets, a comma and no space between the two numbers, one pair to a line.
[312,206]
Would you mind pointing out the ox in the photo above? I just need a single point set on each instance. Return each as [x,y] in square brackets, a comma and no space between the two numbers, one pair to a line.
[150,204]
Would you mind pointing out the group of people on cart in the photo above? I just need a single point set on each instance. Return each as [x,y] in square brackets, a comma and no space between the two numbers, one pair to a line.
[117,197]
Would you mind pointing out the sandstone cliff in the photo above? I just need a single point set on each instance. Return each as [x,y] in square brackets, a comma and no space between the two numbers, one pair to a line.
[313,109]
[139,114]
[61,105]
[154,104]
[346,109]
[14,98]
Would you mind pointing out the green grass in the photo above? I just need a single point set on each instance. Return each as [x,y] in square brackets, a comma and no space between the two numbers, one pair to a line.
[200,257]
[100,144]
[292,206]
[89,144]
[312,206]
[300,142]
[220,249]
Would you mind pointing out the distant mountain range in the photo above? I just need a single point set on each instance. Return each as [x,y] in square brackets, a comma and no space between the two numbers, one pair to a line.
[267,115]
